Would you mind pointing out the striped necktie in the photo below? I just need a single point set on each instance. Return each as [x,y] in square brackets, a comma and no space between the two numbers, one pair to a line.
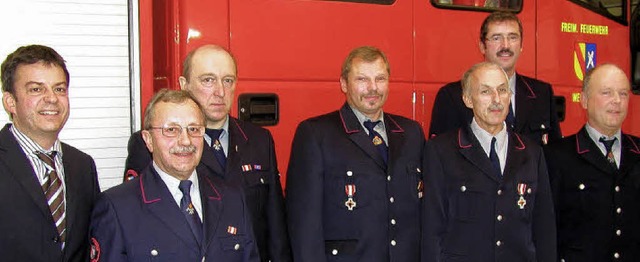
[54,193]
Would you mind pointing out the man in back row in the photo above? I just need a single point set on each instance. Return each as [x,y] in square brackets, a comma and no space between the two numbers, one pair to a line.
[239,152]
[531,112]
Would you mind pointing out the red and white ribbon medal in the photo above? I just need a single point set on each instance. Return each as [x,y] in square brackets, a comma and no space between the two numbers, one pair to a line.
[522,189]
[350,190]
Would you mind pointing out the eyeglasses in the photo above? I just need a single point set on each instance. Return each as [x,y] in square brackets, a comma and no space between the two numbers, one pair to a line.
[512,38]
[176,130]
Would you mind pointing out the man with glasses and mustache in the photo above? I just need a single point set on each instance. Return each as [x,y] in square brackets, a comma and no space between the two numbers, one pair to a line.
[354,182]
[532,110]
[173,211]
[241,153]
[487,194]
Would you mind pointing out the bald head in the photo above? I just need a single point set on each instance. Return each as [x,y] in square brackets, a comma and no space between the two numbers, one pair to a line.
[203,50]
[210,75]
[605,96]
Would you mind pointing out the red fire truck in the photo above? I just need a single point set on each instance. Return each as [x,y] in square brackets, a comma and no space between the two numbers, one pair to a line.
[289,52]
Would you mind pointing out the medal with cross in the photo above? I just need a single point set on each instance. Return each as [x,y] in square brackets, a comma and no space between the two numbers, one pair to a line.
[190,209]
[216,145]
[522,188]
[350,190]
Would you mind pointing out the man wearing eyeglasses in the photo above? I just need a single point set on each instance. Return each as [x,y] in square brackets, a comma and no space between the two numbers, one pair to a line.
[241,153]
[531,112]
[172,211]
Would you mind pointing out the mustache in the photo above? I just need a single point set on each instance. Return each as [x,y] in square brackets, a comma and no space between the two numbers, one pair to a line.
[495,106]
[505,51]
[183,149]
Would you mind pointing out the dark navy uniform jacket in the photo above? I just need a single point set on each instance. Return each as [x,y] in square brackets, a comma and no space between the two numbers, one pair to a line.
[598,207]
[251,165]
[332,155]
[470,214]
[141,221]
[535,110]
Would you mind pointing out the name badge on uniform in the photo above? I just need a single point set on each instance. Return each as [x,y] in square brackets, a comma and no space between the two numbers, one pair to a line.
[522,188]
[350,190]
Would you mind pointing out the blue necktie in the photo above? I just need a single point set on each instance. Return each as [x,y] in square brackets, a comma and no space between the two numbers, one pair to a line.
[218,150]
[608,144]
[377,140]
[189,211]
[511,118]
[493,156]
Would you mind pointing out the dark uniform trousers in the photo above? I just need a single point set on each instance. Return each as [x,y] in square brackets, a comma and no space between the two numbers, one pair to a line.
[471,214]
[251,165]
[27,229]
[141,221]
[598,207]
[535,114]
[332,156]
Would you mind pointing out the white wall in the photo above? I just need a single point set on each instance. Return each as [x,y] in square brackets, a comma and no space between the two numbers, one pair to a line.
[93,37]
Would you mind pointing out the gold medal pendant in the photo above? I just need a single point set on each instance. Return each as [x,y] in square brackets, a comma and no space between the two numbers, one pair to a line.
[377,141]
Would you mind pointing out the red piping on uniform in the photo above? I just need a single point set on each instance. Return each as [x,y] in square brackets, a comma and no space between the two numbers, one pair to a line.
[533,94]
[578,147]
[399,130]
[241,131]
[144,195]
[217,197]
[460,140]
[635,150]
[522,146]
[344,125]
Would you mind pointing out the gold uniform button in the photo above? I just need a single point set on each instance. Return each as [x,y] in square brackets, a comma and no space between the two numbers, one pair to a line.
[619,210]
[618,232]
[463,188]
[617,188]
[498,243]
[334,252]
[418,169]
[581,186]
[393,221]
[388,178]
[391,199]
[262,180]
[499,218]
[616,255]
[349,173]
[393,242]
[154,252]
[499,192]
[236,247]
